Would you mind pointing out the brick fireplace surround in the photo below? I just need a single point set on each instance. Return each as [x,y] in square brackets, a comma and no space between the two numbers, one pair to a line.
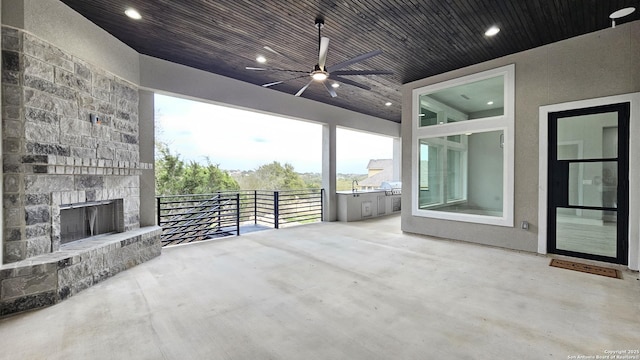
[54,155]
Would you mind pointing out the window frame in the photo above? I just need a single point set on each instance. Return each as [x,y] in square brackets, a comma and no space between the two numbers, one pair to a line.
[503,123]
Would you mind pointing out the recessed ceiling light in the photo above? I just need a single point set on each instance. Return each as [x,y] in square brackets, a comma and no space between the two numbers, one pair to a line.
[335,85]
[261,59]
[421,115]
[490,103]
[133,13]
[388,103]
[492,31]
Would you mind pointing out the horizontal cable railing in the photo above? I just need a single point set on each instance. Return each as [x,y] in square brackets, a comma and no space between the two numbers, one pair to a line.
[188,218]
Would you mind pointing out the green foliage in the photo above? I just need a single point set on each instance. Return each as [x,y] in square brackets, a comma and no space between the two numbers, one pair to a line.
[273,176]
[345,181]
[174,177]
[312,180]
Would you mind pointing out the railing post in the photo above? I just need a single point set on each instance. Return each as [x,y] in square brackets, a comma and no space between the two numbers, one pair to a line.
[238,214]
[158,209]
[321,204]
[255,207]
[276,210]
[218,207]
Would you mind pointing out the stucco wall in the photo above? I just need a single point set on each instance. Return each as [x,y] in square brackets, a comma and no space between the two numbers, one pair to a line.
[599,64]
[146,130]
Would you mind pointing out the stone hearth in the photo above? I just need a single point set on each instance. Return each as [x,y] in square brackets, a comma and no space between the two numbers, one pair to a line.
[50,278]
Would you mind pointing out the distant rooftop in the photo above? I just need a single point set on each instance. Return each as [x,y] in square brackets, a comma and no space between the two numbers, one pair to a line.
[380,170]
[380,164]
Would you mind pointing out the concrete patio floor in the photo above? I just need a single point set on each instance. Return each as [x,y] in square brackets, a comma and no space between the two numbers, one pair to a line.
[359,290]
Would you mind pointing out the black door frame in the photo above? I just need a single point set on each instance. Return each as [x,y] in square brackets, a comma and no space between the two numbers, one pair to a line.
[558,173]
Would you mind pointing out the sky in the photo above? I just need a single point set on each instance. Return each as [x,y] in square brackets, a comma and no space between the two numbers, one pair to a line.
[244,140]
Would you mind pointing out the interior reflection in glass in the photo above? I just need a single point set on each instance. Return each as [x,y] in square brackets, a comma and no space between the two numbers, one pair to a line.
[476,100]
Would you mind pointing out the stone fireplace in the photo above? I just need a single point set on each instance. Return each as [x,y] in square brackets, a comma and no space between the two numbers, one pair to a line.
[66,178]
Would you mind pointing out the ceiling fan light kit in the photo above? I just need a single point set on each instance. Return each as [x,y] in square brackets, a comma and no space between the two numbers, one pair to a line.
[321,73]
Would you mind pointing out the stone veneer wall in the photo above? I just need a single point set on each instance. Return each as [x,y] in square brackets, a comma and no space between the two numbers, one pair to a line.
[53,154]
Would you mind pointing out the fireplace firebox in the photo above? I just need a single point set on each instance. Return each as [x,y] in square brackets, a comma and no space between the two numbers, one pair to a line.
[83,220]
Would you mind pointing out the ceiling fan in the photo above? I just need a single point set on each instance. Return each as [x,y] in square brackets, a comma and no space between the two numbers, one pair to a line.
[321,73]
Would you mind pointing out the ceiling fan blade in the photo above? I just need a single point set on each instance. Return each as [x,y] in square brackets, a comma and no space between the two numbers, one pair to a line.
[362,72]
[273,83]
[274,69]
[330,89]
[270,49]
[304,88]
[283,81]
[354,60]
[322,56]
[348,82]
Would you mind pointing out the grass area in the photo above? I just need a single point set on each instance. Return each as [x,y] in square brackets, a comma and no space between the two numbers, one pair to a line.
[344,183]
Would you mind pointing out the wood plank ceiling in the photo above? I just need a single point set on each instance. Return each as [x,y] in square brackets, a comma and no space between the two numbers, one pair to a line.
[419,38]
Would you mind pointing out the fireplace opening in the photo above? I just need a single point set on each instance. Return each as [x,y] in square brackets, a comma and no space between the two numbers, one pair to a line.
[83,220]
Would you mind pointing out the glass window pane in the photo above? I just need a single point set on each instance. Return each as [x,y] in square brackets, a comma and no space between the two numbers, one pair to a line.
[469,171]
[430,191]
[456,175]
[586,231]
[593,184]
[454,138]
[593,136]
[428,117]
[476,100]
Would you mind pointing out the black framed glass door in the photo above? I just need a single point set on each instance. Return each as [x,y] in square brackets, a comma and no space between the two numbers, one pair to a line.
[588,183]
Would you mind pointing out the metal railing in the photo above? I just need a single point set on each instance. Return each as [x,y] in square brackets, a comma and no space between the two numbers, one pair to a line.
[286,207]
[188,218]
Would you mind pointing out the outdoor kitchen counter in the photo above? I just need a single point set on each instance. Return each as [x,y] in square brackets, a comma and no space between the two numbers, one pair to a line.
[366,204]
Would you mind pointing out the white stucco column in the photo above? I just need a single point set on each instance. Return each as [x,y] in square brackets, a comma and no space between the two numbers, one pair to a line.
[329,171]
[146,139]
[397,159]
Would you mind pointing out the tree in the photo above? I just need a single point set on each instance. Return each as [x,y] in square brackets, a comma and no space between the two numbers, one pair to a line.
[174,177]
[274,176]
